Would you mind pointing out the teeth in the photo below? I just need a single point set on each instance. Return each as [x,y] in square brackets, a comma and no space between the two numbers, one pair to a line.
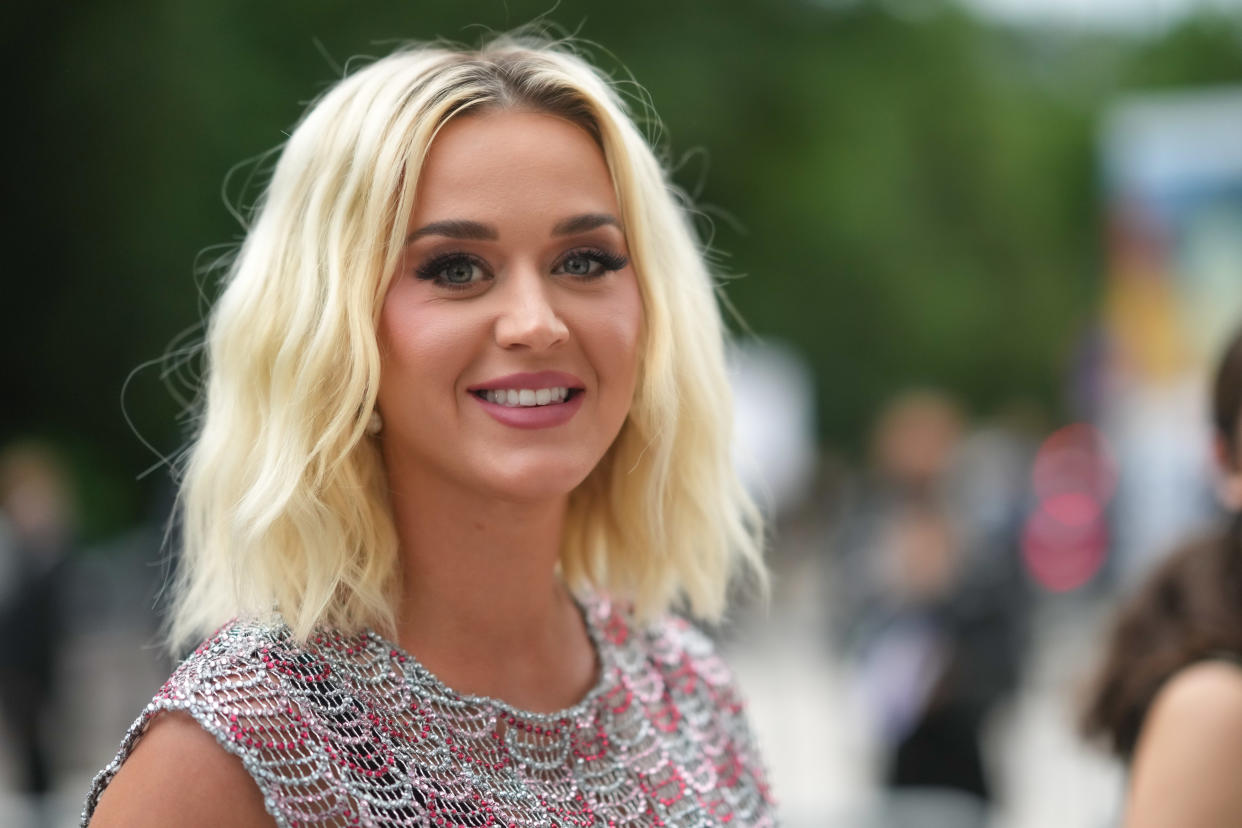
[526,397]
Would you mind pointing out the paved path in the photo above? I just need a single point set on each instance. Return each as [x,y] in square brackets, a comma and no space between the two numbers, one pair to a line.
[823,760]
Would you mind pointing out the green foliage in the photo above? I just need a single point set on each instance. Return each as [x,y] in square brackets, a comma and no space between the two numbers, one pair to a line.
[907,200]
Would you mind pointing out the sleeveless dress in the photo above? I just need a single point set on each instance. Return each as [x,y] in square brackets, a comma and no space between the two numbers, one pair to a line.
[349,730]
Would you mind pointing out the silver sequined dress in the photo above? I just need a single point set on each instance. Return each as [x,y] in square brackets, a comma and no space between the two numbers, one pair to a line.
[352,731]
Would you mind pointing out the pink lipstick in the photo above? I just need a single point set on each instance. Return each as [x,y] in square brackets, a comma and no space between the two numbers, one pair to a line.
[543,399]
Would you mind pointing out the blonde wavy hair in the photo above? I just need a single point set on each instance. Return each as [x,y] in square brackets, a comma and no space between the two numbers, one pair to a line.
[284,498]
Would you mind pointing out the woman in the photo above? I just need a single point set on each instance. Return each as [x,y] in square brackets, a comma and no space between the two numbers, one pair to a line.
[1169,698]
[464,445]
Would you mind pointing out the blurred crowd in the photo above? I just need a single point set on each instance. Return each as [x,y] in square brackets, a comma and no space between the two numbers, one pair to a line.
[928,592]
[942,586]
[78,637]
[930,563]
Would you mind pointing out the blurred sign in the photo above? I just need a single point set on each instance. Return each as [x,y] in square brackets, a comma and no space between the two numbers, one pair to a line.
[1066,537]
[1173,182]
[774,422]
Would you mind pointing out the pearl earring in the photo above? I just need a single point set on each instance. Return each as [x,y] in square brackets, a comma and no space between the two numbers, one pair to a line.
[376,424]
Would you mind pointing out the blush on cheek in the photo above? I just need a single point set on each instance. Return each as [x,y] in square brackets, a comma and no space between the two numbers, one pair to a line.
[626,316]
[625,333]
[419,331]
[626,355]
[617,336]
[425,350]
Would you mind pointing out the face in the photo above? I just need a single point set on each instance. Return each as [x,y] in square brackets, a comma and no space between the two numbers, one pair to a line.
[509,338]
[1229,462]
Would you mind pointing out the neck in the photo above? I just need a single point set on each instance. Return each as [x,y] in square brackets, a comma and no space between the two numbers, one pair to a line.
[481,603]
[486,567]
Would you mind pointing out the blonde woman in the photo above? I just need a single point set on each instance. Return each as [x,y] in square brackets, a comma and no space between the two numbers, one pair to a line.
[465,445]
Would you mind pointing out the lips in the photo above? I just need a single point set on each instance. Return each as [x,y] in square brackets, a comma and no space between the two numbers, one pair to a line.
[531,400]
[532,381]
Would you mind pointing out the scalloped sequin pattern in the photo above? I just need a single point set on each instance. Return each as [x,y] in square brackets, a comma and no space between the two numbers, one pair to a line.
[351,731]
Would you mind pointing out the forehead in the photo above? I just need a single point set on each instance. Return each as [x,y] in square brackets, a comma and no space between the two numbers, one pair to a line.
[485,165]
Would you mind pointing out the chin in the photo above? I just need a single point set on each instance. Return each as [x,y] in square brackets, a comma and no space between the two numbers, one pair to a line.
[539,481]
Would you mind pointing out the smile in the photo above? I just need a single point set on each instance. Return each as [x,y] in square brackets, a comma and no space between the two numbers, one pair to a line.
[542,399]
[526,397]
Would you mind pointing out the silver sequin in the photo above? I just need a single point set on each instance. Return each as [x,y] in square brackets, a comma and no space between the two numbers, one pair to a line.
[349,730]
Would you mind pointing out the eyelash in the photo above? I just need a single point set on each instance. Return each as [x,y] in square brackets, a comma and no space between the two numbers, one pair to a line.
[609,262]
[432,270]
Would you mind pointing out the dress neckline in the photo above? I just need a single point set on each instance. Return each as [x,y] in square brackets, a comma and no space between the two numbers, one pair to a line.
[420,678]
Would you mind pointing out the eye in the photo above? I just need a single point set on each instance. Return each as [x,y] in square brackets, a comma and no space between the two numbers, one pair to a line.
[459,272]
[589,263]
[454,270]
[578,265]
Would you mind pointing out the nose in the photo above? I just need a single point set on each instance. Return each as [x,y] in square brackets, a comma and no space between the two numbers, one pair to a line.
[529,318]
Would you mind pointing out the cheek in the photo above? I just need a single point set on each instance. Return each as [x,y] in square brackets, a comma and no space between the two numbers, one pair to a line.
[618,332]
[419,340]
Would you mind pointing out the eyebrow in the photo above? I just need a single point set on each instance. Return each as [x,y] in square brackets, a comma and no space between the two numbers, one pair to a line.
[583,223]
[455,229]
[475,230]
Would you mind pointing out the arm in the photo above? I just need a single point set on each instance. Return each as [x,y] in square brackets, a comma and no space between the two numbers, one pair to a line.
[1187,767]
[179,775]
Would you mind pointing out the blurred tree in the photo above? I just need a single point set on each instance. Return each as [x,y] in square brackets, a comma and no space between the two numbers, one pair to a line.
[907,192]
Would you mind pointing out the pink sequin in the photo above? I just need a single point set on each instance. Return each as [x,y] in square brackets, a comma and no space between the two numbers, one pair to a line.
[349,730]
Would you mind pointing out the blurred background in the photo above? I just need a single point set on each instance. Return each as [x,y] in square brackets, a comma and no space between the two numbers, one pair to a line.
[985,252]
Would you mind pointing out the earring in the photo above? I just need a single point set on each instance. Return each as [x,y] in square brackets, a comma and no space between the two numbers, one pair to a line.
[376,424]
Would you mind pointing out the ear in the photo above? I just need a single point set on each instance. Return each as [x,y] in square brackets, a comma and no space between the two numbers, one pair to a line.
[1230,484]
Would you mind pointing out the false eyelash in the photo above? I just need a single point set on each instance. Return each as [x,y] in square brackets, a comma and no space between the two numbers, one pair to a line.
[610,261]
[432,269]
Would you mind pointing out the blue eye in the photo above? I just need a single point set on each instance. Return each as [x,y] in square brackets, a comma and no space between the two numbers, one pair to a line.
[453,270]
[459,272]
[578,265]
[590,263]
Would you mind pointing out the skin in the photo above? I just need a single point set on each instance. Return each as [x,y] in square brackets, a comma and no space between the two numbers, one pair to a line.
[1229,487]
[1186,762]
[479,506]
[153,787]
[1187,759]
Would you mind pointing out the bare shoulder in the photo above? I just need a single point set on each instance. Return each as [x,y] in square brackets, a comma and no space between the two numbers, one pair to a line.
[179,775]
[1201,701]
[1189,756]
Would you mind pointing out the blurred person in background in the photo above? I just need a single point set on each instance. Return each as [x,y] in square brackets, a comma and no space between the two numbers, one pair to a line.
[36,532]
[465,445]
[937,633]
[1168,698]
